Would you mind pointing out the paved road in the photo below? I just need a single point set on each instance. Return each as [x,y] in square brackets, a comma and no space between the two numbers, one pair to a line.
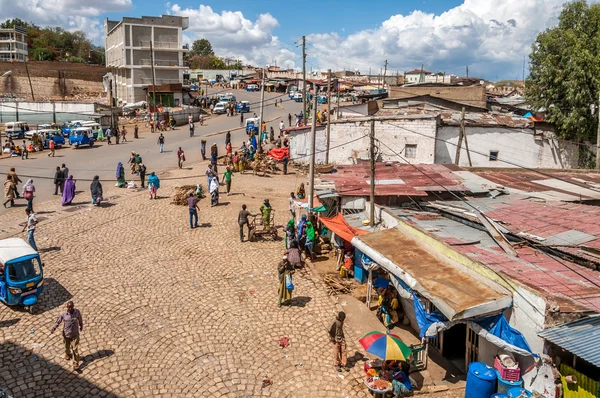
[102,159]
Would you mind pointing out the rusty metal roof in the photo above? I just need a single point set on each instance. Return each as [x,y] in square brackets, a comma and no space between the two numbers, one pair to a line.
[455,292]
[394,179]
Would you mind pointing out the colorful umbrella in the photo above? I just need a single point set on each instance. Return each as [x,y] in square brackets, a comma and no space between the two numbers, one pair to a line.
[386,346]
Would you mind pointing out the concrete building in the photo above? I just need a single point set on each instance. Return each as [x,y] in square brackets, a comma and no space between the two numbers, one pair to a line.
[13,44]
[130,59]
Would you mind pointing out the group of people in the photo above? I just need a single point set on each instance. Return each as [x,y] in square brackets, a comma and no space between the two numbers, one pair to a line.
[153,182]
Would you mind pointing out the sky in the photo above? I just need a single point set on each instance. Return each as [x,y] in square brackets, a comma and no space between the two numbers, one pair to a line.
[491,37]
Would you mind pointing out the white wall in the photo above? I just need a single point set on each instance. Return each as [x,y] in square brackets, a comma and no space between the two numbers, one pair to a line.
[527,315]
[513,145]
[300,146]
[394,133]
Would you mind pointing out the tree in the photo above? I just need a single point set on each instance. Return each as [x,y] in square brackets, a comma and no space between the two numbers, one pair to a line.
[564,77]
[202,47]
[42,54]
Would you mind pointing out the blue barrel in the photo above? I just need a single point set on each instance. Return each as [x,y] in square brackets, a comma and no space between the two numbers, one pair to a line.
[498,395]
[516,392]
[505,385]
[481,380]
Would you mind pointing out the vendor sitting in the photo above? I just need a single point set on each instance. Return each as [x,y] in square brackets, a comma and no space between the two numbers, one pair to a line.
[397,373]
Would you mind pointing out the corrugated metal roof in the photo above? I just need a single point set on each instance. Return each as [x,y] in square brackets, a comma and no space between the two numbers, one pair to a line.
[579,337]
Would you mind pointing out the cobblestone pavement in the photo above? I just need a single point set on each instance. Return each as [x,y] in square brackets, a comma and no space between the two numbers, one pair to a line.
[170,311]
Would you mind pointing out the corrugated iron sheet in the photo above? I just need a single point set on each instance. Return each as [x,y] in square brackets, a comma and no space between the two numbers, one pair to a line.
[579,337]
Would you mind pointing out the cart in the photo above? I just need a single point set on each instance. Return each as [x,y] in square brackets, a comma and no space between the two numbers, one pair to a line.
[257,227]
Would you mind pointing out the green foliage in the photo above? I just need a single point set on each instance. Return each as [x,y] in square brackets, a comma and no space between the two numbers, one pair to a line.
[201,47]
[42,54]
[210,62]
[564,75]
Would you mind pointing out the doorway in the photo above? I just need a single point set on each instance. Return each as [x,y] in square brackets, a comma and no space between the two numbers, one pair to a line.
[455,345]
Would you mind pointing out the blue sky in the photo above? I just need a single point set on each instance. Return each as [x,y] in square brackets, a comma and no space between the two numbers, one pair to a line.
[492,37]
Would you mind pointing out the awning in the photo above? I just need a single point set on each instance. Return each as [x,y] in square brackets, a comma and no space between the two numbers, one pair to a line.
[579,337]
[341,228]
[456,293]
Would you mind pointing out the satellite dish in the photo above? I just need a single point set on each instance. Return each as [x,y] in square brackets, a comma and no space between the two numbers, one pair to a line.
[6,74]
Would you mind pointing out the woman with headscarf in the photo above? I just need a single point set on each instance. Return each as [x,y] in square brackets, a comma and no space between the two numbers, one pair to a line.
[310,239]
[290,233]
[100,134]
[153,185]
[213,189]
[300,232]
[265,210]
[214,155]
[300,191]
[68,191]
[251,153]
[9,191]
[28,190]
[284,270]
[96,190]
[253,141]
[120,176]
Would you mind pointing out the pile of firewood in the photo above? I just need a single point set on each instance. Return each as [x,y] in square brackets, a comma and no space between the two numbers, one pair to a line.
[336,285]
[182,193]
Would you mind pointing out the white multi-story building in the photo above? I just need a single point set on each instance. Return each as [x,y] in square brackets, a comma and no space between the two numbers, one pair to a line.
[129,57]
[13,44]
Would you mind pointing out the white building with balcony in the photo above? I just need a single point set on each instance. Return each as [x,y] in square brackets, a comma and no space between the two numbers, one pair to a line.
[128,46]
[13,44]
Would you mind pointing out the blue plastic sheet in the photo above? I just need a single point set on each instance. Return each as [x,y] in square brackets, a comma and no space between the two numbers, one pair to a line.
[499,327]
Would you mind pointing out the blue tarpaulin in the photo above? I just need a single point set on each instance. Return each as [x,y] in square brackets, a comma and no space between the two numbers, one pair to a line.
[498,326]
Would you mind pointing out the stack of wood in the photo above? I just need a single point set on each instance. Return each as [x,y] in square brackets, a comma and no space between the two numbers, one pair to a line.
[336,285]
[181,194]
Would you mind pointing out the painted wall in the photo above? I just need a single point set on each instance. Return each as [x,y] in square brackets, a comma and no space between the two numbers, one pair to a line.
[300,146]
[44,112]
[513,145]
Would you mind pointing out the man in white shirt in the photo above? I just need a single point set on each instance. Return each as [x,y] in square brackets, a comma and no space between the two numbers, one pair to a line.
[281,127]
[30,226]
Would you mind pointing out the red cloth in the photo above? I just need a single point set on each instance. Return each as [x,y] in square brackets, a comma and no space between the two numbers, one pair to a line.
[279,153]
[341,228]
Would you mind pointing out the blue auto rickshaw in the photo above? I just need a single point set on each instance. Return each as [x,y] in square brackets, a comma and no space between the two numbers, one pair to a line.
[243,106]
[252,125]
[81,136]
[21,275]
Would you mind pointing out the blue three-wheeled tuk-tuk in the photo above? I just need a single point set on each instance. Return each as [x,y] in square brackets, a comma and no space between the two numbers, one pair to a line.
[21,275]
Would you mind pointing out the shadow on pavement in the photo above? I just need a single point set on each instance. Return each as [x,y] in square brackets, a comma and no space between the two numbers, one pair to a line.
[49,249]
[355,359]
[300,301]
[56,382]
[86,360]
[9,322]
[53,296]
[106,204]
[45,212]
[205,225]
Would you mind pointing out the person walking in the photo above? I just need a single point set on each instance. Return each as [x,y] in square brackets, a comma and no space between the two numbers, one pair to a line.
[243,220]
[271,134]
[142,170]
[227,138]
[265,211]
[153,185]
[161,142]
[292,205]
[192,127]
[30,227]
[65,171]
[241,119]
[96,190]
[109,134]
[123,134]
[281,127]
[309,244]
[69,191]
[28,190]
[227,178]
[214,156]
[72,325]
[58,181]
[24,151]
[210,174]
[136,131]
[51,147]
[193,208]
[285,269]
[180,157]
[151,126]
[289,120]
[337,338]
[117,134]
[203,149]
[120,176]
[285,162]
[213,189]
[9,192]
[15,179]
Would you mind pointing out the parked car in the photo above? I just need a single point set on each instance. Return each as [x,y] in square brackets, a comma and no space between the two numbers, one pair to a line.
[252,87]
[81,136]
[220,108]
[243,106]
[297,97]
[16,129]
[322,99]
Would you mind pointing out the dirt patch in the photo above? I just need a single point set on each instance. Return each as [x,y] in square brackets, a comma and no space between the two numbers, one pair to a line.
[66,70]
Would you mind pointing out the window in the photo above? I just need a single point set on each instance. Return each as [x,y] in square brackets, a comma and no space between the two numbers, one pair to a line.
[410,151]
[493,155]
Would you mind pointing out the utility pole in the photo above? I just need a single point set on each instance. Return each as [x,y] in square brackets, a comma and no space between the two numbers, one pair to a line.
[372,158]
[328,116]
[29,78]
[467,71]
[338,100]
[460,137]
[598,137]
[384,73]
[464,134]
[153,82]
[304,79]
[262,104]
[313,139]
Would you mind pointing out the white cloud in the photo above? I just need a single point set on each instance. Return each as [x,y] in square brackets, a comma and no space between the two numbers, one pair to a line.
[490,36]
[67,14]
[232,34]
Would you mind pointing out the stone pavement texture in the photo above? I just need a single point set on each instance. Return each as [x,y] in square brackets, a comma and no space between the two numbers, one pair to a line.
[170,311]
